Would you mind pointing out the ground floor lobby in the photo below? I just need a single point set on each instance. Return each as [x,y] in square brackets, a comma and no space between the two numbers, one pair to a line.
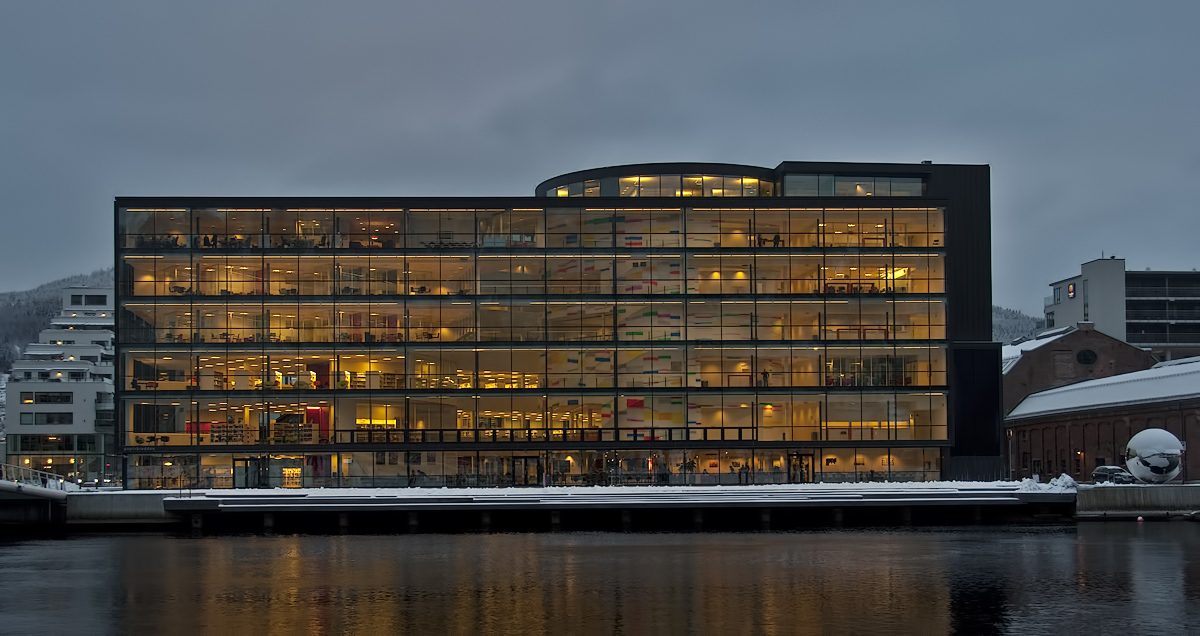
[418,467]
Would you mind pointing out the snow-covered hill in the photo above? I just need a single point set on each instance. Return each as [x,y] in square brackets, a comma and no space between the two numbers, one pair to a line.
[1010,324]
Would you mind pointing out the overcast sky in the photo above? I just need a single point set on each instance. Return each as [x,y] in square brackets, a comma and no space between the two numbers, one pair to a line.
[1086,111]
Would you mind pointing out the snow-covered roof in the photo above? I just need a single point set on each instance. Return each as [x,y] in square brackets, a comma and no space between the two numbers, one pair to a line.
[1171,363]
[1011,353]
[1165,382]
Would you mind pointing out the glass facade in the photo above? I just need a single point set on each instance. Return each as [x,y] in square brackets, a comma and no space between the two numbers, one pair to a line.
[297,346]
[76,457]
[828,185]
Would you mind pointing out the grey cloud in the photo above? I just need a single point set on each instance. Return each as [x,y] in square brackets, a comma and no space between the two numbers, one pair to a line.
[1084,110]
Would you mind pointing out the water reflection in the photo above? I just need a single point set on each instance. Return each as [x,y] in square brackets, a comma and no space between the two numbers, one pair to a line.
[1097,577]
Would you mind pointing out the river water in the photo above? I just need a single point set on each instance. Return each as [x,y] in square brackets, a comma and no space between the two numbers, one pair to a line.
[1091,578]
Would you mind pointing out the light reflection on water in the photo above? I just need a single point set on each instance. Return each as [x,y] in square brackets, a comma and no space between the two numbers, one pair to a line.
[1099,577]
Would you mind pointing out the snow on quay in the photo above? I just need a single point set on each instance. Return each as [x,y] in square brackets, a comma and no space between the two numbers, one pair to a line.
[817,494]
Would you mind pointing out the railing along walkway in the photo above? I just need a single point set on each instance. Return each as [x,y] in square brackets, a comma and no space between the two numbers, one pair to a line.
[29,476]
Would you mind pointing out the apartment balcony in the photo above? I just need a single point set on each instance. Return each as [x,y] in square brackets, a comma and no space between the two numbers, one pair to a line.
[1165,315]
[105,420]
[1163,339]
[63,380]
[1180,291]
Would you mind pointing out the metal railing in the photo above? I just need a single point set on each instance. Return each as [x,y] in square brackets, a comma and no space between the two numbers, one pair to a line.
[1163,314]
[1172,291]
[1164,339]
[519,435]
[33,477]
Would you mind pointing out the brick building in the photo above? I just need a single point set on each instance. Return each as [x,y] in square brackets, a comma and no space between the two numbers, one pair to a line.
[1065,356]
[1075,428]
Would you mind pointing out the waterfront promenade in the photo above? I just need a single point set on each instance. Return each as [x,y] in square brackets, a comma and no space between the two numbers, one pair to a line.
[592,508]
[628,508]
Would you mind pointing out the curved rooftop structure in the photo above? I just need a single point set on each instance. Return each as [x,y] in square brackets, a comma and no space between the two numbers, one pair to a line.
[663,180]
[800,179]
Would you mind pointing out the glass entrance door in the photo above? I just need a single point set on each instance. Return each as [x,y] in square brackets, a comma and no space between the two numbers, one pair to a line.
[251,472]
[526,471]
[800,467]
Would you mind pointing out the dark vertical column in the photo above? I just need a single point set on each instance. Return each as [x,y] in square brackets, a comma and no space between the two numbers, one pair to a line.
[119,279]
[975,410]
[965,193]
[976,413]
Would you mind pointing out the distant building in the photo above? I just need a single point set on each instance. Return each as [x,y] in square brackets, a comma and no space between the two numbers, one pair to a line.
[3,413]
[1155,309]
[1066,355]
[1075,428]
[60,393]
[3,401]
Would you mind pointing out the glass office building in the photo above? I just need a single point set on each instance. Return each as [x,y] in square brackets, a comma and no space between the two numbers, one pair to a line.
[647,324]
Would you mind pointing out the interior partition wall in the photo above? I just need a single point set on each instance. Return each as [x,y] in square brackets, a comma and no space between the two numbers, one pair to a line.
[521,341]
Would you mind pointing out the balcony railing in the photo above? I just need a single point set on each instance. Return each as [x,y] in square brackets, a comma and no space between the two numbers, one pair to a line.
[649,434]
[304,434]
[1164,339]
[1164,314]
[67,380]
[1180,291]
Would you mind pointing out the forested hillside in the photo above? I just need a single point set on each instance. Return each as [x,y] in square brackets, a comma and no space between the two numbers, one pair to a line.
[1010,324]
[25,313]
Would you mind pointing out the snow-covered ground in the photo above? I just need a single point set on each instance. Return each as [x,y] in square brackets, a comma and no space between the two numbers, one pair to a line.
[1058,485]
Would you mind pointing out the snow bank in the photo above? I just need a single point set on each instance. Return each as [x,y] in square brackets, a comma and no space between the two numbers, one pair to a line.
[1062,483]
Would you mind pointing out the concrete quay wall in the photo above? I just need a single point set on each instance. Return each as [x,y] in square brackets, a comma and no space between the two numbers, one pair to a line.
[119,507]
[1137,500]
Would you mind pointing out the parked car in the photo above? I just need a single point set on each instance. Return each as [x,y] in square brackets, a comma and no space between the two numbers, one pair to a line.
[1114,474]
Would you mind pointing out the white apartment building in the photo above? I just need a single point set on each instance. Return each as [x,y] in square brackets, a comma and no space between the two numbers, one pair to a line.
[60,393]
[1095,295]
[1152,309]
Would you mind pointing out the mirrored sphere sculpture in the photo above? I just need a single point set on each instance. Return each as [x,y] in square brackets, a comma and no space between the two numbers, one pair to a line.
[1154,456]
